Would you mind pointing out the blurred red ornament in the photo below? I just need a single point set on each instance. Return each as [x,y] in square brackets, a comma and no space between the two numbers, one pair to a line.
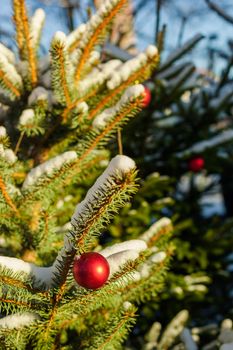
[91,270]
[147,97]
[196,164]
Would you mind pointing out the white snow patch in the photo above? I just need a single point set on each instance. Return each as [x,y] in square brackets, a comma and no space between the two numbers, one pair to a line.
[76,34]
[126,305]
[9,70]
[36,25]
[59,36]
[144,271]
[134,244]
[157,257]
[48,167]
[82,107]
[151,51]
[3,131]
[8,155]
[39,93]
[116,261]
[154,228]
[8,53]
[26,117]
[119,164]
[18,320]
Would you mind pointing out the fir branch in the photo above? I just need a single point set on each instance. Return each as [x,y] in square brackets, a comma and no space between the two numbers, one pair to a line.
[85,302]
[60,70]
[107,201]
[7,53]
[44,235]
[10,80]
[48,168]
[17,329]
[24,38]
[14,299]
[126,108]
[75,103]
[111,120]
[18,144]
[21,280]
[36,26]
[47,187]
[34,222]
[103,18]
[4,80]
[139,75]
[18,26]
[29,123]
[12,280]
[110,191]
[7,197]
[114,333]
[156,231]
[102,200]
[31,57]
[77,117]
[147,287]
[74,38]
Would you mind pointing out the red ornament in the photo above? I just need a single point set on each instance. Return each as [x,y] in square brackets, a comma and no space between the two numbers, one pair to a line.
[91,270]
[147,97]
[196,164]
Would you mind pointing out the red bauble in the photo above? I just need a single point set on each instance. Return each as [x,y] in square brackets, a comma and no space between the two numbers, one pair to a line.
[196,164]
[147,97]
[91,270]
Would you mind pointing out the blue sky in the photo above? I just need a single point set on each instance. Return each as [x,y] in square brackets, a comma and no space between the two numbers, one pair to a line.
[203,22]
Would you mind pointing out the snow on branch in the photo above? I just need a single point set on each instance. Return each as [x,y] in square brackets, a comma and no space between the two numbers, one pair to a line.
[95,30]
[117,256]
[36,25]
[174,328]
[98,76]
[200,147]
[7,53]
[103,118]
[111,185]
[2,132]
[10,80]
[118,166]
[26,117]
[48,167]
[74,37]
[39,94]
[18,320]
[128,68]
[42,275]
[160,227]
[61,69]
[8,154]
[137,69]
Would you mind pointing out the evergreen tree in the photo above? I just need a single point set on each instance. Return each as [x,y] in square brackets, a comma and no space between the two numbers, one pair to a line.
[188,119]
[58,116]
